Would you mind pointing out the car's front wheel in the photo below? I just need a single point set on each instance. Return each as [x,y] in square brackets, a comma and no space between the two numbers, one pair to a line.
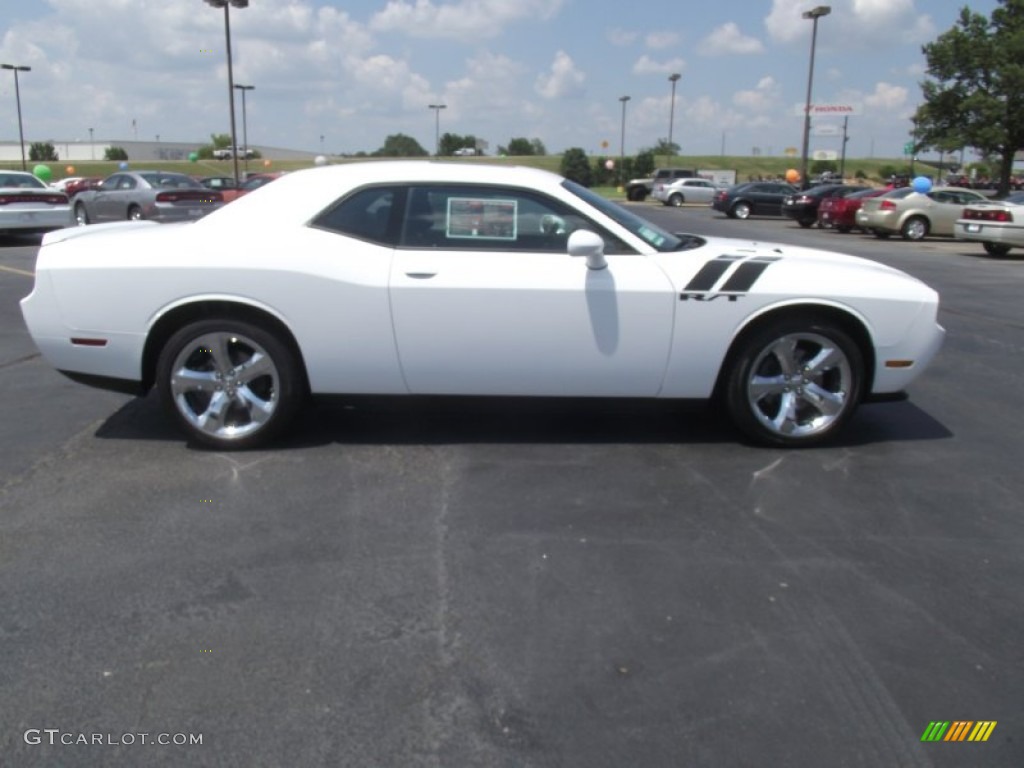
[741,210]
[229,384]
[81,216]
[676,200]
[996,249]
[794,382]
[805,223]
[134,213]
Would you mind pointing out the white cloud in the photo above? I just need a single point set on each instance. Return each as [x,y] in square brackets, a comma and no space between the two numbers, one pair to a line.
[620,38]
[887,97]
[764,97]
[467,20]
[658,40]
[866,24]
[727,40]
[563,79]
[645,65]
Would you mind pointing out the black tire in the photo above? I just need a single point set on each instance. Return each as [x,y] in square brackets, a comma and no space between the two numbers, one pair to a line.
[805,223]
[996,249]
[81,215]
[637,194]
[134,213]
[843,230]
[676,199]
[881,234]
[244,384]
[774,399]
[740,210]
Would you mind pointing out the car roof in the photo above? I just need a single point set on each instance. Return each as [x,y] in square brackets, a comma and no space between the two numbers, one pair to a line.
[297,195]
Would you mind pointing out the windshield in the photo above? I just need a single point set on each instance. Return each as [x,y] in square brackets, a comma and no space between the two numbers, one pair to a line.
[650,233]
[170,181]
[20,180]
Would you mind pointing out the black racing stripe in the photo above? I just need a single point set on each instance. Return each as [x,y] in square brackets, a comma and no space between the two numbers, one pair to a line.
[708,275]
[746,274]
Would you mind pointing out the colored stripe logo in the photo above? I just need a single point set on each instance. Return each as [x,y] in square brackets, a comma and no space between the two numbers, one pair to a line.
[740,280]
[958,730]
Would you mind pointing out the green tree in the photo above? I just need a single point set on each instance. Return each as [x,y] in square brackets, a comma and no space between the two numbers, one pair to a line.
[520,146]
[450,142]
[819,167]
[665,147]
[538,147]
[974,91]
[400,145]
[42,150]
[115,153]
[643,164]
[576,167]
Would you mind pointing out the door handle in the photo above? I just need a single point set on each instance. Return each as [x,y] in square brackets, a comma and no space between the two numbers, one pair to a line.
[421,275]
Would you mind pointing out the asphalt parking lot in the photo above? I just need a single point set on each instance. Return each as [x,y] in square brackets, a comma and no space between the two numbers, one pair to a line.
[523,584]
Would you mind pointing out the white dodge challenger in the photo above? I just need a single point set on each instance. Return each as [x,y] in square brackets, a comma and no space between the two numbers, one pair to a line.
[428,278]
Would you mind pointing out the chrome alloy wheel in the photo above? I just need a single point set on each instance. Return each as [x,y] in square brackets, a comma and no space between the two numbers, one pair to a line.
[225,385]
[800,385]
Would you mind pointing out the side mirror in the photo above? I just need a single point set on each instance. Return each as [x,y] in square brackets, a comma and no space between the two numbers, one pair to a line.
[589,245]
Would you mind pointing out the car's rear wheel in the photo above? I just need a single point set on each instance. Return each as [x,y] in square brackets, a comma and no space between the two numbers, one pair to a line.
[741,210]
[881,234]
[637,195]
[805,223]
[229,384]
[914,228]
[996,249]
[794,382]
[676,200]
[81,215]
[134,213]
[843,230]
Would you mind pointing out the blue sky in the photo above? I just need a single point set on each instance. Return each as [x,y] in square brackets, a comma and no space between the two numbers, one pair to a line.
[357,71]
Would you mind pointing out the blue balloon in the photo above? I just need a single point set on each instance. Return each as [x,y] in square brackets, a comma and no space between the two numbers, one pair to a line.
[123,165]
[922,184]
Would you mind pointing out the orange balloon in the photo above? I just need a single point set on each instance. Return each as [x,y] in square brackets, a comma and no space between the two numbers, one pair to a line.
[69,170]
[266,163]
[792,176]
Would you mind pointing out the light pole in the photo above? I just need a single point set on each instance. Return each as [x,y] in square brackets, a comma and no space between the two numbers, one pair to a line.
[17,96]
[673,78]
[814,14]
[92,147]
[437,126]
[245,126]
[622,142]
[231,76]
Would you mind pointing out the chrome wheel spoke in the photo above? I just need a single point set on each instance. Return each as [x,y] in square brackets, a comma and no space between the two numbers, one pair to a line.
[784,351]
[785,421]
[828,357]
[763,386]
[829,404]
[257,365]
[186,380]
[258,409]
[212,419]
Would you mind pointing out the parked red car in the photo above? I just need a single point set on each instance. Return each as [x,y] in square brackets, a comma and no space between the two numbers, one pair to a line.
[840,213]
[72,188]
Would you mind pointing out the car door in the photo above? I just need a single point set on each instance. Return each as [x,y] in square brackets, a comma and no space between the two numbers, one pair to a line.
[950,208]
[100,202]
[767,199]
[486,300]
[112,201]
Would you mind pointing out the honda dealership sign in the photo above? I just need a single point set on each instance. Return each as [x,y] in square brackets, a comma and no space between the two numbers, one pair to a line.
[829,110]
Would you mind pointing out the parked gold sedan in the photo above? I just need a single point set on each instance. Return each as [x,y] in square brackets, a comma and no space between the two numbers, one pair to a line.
[914,215]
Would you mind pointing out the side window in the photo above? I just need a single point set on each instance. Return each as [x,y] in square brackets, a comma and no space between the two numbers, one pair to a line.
[111,182]
[126,182]
[366,215]
[485,218]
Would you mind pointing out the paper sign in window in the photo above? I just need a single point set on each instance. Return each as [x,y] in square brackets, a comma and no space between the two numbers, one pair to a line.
[481,219]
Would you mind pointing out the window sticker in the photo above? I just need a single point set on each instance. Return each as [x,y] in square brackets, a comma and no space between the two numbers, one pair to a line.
[481,219]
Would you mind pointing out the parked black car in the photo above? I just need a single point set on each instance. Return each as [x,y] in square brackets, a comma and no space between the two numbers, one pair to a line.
[761,198]
[803,205]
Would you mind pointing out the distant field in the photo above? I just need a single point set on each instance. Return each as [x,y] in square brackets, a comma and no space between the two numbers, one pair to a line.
[745,167]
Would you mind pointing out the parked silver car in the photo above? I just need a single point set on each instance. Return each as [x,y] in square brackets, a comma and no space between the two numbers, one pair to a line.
[29,206]
[914,215]
[155,195]
[683,191]
[997,224]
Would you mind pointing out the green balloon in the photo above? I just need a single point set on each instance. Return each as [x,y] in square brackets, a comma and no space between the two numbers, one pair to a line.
[42,172]
[193,157]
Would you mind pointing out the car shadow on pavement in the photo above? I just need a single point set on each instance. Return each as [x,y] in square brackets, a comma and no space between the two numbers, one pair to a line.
[367,420]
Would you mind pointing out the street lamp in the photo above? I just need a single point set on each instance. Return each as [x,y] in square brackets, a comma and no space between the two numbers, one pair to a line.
[814,14]
[674,78]
[437,126]
[17,96]
[622,141]
[245,127]
[92,147]
[231,77]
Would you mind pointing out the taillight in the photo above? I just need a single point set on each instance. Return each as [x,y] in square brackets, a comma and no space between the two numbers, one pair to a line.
[803,199]
[887,205]
[51,199]
[981,214]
